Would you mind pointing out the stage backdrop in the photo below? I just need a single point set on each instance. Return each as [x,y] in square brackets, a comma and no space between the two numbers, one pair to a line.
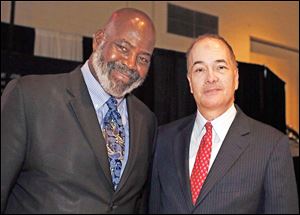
[261,93]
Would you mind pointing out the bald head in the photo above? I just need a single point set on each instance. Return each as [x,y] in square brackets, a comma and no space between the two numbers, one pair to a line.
[131,19]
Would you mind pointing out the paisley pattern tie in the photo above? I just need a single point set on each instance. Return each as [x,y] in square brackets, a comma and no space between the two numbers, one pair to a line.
[114,134]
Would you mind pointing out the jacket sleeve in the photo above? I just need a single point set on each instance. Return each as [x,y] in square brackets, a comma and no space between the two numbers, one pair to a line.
[280,182]
[154,199]
[144,203]
[13,138]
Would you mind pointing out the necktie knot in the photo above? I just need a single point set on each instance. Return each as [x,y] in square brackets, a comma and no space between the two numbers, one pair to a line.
[112,103]
[208,127]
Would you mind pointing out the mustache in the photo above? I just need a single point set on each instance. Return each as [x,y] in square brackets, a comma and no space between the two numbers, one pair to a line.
[122,68]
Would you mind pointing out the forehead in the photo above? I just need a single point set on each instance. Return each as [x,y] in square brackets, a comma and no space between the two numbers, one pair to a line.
[134,31]
[209,47]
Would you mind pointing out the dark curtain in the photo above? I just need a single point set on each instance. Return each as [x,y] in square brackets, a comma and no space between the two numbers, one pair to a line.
[274,101]
[261,93]
[87,47]
[20,64]
[23,39]
[166,90]
[249,95]
[15,65]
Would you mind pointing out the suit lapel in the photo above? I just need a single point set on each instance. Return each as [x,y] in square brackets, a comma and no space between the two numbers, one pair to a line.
[233,146]
[181,159]
[83,108]
[135,119]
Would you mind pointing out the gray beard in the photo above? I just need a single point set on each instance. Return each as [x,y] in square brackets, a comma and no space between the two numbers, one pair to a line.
[112,86]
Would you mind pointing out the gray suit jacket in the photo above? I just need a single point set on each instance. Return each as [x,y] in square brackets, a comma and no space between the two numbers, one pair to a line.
[53,154]
[252,173]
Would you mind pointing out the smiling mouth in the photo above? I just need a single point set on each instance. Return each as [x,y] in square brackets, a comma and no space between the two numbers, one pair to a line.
[121,75]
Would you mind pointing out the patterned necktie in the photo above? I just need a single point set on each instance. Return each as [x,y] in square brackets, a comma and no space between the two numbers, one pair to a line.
[201,165]
[114,135]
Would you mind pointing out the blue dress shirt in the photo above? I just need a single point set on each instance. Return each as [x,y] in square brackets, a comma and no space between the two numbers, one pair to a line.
[99,98]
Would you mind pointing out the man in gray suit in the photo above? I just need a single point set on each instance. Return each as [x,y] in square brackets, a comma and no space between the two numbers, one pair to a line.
[219,160]
[80,142]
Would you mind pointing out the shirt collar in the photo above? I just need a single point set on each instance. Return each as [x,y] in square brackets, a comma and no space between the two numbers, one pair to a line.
[220,124]
[97,93]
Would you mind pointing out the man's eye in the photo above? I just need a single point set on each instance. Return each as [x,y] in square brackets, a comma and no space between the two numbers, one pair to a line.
[144,60]
[222,67]
[199,70]
[122,48]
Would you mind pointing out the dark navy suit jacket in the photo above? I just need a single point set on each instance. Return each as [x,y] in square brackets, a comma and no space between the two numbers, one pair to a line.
[252,173]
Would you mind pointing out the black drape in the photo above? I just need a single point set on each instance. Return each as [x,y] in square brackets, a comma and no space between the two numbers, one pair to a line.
[23,39]
[166,92]
[15,65]
[261,93]
[87,47]
[274,101]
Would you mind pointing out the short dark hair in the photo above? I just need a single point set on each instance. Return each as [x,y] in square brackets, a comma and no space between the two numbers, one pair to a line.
[212,36]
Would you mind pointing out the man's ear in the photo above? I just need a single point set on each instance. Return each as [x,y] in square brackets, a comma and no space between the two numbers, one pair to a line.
[236,79]
[98,37]
[190,82]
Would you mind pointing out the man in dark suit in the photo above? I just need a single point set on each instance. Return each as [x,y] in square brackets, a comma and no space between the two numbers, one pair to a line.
[80,142]
[219,160]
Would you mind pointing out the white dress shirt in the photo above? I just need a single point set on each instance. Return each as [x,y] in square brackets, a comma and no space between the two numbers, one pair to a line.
[220,128]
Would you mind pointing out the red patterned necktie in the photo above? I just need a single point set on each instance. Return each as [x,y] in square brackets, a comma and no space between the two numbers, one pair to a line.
[201,165]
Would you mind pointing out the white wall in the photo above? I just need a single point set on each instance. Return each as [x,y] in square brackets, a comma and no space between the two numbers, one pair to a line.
[273,21]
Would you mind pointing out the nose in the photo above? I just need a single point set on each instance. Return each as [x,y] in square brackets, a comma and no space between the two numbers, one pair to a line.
[211,76]
[131,61]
